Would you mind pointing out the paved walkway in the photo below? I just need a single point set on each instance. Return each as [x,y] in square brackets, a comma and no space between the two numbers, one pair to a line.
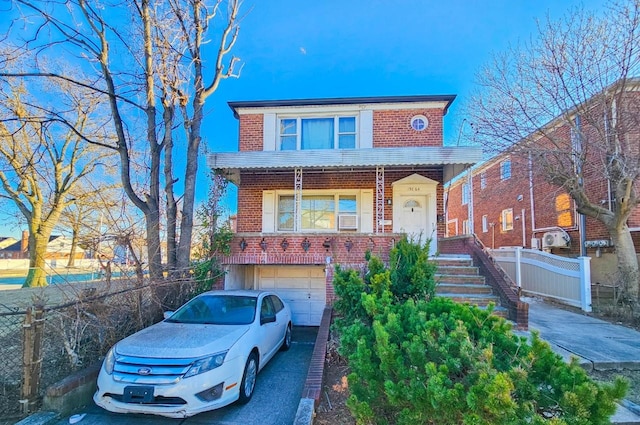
[597,344]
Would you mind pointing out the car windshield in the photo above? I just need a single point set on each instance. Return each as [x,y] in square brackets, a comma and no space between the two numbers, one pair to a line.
[217,310]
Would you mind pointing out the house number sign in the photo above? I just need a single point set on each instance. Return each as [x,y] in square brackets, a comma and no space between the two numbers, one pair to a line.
[414,189]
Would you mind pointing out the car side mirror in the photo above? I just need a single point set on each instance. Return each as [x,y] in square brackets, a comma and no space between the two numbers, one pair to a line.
[267,318]
[168,314]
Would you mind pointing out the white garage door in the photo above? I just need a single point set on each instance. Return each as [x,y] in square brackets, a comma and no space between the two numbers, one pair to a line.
[303,288]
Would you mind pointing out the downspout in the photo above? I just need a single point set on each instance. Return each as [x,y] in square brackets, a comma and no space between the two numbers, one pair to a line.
[470,206]
[531,201]
[524,227]
[583,218]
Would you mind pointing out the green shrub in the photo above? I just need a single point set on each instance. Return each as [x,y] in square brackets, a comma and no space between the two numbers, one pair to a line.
[415,361]
[412,274]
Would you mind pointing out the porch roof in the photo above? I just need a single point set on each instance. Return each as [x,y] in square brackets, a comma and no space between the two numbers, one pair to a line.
[454,160]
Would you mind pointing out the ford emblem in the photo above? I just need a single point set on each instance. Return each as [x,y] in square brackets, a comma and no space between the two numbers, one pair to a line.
[144,371]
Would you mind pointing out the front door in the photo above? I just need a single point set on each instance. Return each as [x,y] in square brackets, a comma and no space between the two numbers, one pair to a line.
[413,219]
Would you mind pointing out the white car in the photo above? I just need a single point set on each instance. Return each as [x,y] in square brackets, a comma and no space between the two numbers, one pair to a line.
[204,356]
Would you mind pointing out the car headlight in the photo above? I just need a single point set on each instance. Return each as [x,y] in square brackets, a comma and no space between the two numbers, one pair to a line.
[110,361]
[206,364]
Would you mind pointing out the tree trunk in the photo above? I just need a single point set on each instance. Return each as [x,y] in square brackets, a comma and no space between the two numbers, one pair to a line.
[37,276]
[190,175]
[153,244]
[74,249]
[629,273]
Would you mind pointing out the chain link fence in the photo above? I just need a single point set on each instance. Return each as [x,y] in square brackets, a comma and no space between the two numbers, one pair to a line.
[42,342]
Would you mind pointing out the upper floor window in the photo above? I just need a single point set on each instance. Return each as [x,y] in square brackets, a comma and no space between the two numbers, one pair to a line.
[318,133]
[505,169]
[419,123]
[483,180]
[465,194]
[465,227]
[485,224]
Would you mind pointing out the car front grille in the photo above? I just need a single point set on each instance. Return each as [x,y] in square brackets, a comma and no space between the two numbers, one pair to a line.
[149,371]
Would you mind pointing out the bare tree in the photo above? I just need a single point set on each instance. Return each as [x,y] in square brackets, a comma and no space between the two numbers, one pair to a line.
[42,162]
[86,215]
[567,100]
[158,70]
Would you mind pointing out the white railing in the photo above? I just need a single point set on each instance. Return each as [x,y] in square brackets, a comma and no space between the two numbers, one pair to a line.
[567,280]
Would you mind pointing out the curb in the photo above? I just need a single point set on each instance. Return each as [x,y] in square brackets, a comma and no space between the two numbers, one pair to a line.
[305,413]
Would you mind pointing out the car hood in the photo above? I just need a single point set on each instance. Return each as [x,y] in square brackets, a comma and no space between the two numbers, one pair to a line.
[180,340]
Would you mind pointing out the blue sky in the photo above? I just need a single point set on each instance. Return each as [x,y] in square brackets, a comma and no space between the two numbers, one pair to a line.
[342,48]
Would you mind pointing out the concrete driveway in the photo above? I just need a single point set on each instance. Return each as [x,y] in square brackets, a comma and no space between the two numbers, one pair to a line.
[275,400]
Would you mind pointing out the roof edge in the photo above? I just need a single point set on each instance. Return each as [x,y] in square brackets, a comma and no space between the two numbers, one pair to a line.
[448,98]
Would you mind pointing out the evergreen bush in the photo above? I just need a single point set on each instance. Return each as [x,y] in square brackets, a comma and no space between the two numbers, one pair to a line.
[419,359]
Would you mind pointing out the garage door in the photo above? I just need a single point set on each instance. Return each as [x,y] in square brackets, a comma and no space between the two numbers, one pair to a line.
[303,288]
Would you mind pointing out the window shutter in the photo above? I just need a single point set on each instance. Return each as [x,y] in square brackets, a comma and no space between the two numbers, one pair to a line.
[269,132]
[268,211]
[366,129]
[366,211]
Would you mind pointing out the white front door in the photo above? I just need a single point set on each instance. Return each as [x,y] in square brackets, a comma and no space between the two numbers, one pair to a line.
[413,218]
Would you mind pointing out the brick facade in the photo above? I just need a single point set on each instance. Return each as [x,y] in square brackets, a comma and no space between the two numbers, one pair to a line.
[250,192]
[554,208]
[251,132]
[393,128]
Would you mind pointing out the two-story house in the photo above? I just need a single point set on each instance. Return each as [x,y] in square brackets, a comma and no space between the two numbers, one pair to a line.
[322,181]
[508,200]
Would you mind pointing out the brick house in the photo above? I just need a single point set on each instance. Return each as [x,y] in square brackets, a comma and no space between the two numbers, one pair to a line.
[506,201]
[322,181]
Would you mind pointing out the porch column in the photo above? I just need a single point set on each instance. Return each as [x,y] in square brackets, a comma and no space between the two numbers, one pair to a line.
[297,199]
[379,199]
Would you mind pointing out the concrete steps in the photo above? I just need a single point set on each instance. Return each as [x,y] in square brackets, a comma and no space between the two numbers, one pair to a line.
[459,280]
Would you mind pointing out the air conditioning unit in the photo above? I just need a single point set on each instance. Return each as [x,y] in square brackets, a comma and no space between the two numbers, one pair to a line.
[556,239]
[347,222]
[536,243]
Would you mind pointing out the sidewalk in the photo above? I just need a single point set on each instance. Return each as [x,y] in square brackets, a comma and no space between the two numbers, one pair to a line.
[597,344]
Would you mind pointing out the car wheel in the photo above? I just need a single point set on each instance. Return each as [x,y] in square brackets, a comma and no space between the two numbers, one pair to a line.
[286,344]
[248,383]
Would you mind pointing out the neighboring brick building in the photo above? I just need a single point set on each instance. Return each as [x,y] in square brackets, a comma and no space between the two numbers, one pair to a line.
[506,201]
[322,181]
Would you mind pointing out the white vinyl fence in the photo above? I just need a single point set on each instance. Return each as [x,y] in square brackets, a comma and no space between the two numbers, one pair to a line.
[567,280]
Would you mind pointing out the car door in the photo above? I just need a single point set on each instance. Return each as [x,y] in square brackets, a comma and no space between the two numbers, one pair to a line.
[269,329]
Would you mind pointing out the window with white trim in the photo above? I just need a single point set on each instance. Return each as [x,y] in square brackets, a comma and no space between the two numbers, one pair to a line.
[485,224]
[483,180]
[332,132]
[319,211]
[505,169]
[465,227]
[507,219]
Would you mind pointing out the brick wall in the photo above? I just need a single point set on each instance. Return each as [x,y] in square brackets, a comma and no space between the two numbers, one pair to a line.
[251,132]
[499,195]
[393,128]
[250,191]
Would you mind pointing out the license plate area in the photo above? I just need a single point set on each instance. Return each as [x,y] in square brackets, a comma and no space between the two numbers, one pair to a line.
[138,394]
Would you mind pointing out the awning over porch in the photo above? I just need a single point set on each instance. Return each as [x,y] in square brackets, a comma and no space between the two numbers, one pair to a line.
[453,159]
